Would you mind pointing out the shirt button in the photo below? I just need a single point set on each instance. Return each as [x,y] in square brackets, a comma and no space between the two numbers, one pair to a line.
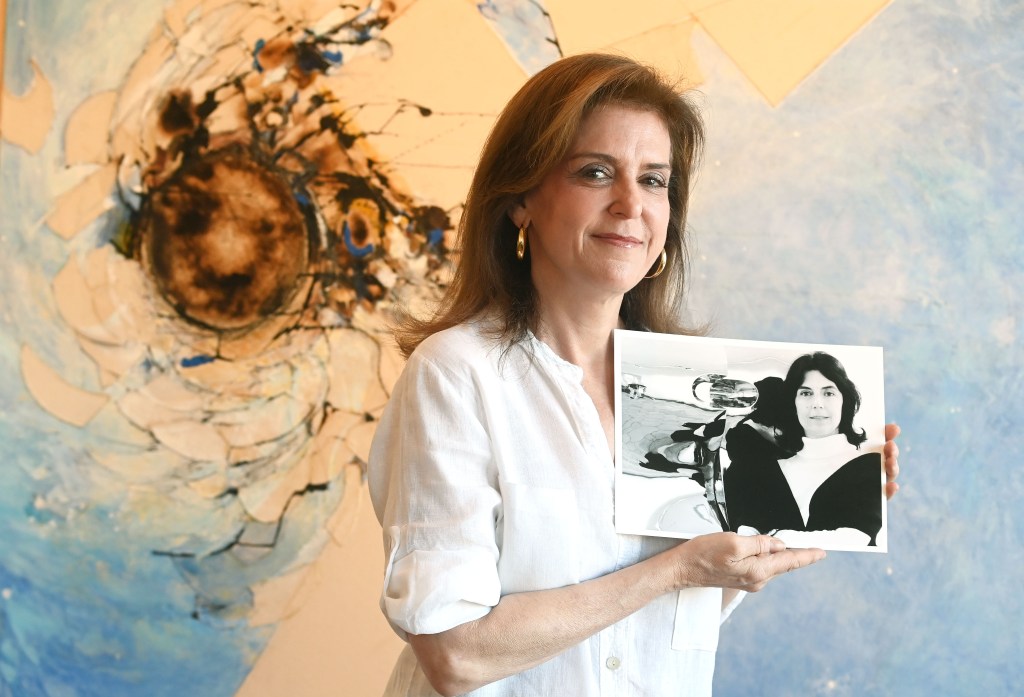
[613,663]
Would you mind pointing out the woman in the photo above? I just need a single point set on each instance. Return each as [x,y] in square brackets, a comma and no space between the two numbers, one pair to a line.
[491,470]
[812,478]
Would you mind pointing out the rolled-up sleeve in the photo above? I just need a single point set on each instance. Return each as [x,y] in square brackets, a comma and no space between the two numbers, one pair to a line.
[434,488]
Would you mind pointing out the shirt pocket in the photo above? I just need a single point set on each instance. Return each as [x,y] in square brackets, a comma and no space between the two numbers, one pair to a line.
[698,619]
[539,538]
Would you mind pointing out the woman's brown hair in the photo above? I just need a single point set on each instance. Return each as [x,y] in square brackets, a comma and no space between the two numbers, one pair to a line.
[532,135]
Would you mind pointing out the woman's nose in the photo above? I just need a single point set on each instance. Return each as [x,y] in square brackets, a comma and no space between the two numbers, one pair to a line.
[627,202]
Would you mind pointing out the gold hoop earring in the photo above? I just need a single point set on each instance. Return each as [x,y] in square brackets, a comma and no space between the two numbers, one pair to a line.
[521,243]
[662,263]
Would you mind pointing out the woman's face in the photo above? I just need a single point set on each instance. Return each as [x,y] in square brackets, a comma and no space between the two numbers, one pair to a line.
[597,222]
[819,405]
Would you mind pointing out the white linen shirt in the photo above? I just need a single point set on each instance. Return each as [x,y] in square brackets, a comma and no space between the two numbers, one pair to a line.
[492,476]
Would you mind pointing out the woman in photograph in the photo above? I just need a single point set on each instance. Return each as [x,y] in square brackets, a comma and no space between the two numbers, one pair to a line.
[797,468]
[491,470]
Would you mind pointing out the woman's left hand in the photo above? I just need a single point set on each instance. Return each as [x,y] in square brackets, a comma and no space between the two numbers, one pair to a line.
[892,465]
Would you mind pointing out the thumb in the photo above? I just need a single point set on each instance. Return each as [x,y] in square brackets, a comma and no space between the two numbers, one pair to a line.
[766,544]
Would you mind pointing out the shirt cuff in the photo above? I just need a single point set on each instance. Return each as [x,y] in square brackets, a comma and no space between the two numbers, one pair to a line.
[430,591]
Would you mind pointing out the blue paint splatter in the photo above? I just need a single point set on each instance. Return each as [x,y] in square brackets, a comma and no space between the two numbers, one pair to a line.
[195,361]
[357,252]
[435,236]
[260,43]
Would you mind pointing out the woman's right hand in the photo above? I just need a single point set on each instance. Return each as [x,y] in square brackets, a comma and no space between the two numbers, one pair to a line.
[728,560]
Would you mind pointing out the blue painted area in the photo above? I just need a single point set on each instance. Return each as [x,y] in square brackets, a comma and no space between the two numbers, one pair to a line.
[195,361]
[72,31]
[880,204]
[85,607]
[353,249]
[260,43]
[526,29]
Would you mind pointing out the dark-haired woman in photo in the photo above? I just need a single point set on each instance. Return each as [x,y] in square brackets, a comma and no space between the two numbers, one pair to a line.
[807,474]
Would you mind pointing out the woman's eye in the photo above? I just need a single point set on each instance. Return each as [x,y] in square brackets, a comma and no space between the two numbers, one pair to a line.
[595,173]
[654,180]
[803,393]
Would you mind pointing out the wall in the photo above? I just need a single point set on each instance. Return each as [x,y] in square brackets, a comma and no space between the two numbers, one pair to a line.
[861,185]
[876,205]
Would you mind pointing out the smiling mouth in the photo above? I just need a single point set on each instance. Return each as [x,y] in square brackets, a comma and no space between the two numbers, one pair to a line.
[623,240]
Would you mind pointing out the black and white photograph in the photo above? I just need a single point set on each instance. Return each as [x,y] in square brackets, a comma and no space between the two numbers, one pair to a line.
[753,437]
